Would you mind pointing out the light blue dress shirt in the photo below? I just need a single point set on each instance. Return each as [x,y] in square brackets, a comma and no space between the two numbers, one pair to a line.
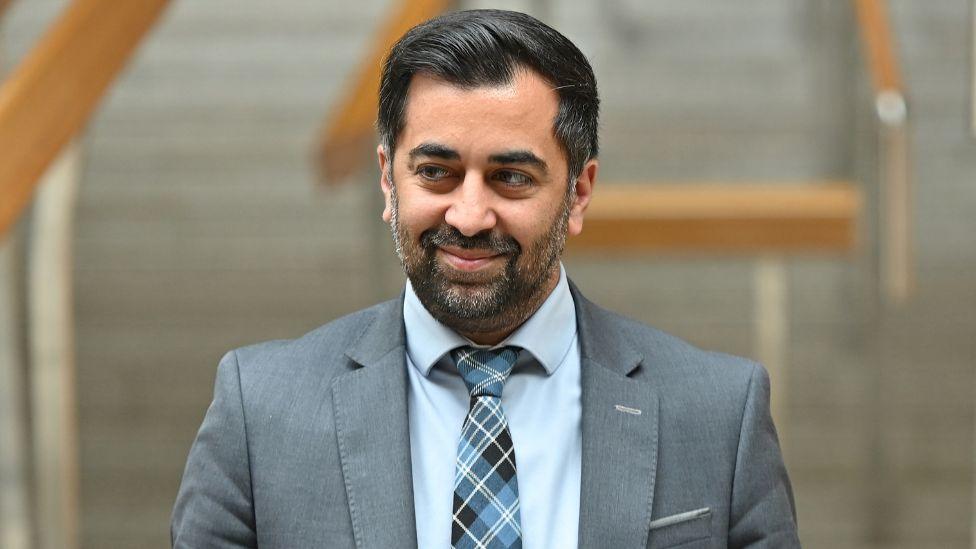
[542,400]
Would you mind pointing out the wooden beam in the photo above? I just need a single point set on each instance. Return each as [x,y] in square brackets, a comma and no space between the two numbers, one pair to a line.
[879,47]
[51,95]
[721,218]
[348,135]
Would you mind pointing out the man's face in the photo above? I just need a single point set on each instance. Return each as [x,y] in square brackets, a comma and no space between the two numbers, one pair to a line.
[478,201]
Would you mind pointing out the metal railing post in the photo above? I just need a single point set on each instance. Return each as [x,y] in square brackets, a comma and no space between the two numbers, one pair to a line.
[15,515]
[51,328]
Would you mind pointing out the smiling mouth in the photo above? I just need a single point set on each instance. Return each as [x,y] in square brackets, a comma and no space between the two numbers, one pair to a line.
[468,259]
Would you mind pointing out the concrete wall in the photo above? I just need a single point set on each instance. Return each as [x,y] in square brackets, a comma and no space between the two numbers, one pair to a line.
[200,229]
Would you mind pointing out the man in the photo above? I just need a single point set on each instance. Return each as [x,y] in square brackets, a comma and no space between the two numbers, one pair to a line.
[491,405]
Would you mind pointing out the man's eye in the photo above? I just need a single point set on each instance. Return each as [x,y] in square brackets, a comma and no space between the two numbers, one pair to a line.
[432,173]
[513,179]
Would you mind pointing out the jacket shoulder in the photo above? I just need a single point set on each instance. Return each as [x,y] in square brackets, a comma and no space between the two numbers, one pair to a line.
[320,352]
[669,357]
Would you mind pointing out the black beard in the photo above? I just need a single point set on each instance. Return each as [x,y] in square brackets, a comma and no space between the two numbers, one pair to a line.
[478,303]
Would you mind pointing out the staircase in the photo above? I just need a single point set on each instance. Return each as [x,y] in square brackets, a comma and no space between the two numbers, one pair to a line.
[199,229]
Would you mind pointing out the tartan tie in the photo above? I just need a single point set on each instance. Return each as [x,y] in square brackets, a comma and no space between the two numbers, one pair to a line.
[486,502]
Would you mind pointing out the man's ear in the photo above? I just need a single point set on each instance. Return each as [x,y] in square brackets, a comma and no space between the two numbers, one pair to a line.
[584,191]
[385,183]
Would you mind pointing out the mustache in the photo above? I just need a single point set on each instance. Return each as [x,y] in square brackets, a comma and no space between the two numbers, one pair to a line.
[446,235]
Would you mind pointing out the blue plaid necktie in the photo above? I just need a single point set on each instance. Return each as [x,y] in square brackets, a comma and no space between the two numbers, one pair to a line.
[486,502]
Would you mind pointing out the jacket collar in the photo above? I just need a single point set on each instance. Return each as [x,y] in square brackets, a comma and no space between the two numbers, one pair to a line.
[602,339]
[620,433]
[373,434]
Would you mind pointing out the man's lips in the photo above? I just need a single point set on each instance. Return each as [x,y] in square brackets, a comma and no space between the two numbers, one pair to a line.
[467,259]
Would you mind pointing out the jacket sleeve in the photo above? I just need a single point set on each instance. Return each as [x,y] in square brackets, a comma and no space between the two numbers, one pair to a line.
[214,506]
[763,513]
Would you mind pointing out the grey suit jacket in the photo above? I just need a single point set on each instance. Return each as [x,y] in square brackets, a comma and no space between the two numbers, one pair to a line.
[306,444]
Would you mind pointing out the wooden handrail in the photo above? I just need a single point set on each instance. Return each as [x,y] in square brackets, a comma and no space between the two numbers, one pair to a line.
[879,48]
[4,4]
[52,93]
[729,218]
[896,245]
[349,127]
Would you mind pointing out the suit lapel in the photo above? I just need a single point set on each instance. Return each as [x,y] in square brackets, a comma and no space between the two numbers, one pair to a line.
[370,407]
[620,435]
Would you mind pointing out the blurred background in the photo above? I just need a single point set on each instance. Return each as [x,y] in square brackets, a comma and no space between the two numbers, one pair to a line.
[790,180]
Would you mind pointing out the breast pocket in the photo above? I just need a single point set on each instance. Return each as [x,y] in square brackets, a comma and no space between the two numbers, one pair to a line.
[681,530]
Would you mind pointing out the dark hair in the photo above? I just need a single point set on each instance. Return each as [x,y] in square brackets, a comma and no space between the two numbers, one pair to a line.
[478,48]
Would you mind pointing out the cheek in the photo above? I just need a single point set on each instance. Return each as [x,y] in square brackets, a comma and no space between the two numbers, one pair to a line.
[418,213]
[527,226]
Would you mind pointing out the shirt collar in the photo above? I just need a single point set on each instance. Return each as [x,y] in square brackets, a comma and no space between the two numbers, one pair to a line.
[547,335]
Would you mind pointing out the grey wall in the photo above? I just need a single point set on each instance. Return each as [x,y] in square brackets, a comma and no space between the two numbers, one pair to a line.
[200,229]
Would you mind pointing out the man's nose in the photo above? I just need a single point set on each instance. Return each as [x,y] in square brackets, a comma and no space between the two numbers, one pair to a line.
[471,210]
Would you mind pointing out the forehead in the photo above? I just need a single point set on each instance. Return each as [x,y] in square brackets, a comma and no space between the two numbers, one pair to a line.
[519,114]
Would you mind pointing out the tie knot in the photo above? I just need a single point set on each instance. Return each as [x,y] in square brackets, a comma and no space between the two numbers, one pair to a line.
[484,371]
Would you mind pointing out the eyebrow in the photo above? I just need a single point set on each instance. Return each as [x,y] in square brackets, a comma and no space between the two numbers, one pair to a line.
[519,157]
[434,150]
